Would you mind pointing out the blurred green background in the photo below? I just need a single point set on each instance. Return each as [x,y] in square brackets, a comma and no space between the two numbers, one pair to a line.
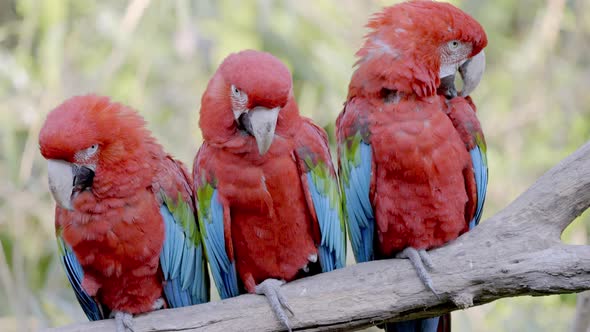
[157,56]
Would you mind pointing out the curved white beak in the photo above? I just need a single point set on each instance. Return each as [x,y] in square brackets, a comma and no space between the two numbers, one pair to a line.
[471,72]
[61,182]
[67,179]
[261,123]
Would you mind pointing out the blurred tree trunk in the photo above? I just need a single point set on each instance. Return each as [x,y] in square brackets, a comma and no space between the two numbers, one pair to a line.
[7,11]
[582,319]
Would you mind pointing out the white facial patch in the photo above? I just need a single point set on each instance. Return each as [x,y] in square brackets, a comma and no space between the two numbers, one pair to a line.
[452,55]
[239,102]
[83,157]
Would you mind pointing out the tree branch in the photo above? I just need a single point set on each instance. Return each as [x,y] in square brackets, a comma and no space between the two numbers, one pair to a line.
[516,252]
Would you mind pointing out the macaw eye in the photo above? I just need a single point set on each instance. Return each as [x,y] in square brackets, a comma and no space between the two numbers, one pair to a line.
[91,150]
[235,91]
[83,155]
[239,101]
[453,44]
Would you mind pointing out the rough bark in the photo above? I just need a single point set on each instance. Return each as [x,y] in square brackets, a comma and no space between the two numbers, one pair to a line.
[516,252]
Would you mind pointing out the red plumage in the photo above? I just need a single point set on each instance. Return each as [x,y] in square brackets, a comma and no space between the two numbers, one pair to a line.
[422,187]
[115,229]
[402,50]
[420,163]
[270,228]
[423,190]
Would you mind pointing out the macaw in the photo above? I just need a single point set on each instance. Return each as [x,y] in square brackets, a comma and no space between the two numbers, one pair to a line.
[125,216]
[412,155]
[268,199]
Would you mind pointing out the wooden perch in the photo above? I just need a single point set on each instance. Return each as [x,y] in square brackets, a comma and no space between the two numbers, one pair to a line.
[516,252]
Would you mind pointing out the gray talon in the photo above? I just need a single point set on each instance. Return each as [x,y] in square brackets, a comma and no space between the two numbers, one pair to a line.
[278,302]
[123,321]
[426,259]
[420,260]
[158,304]
[284,303]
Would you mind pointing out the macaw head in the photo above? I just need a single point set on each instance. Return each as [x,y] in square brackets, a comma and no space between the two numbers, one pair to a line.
[87,138]
[418,46]
[246,94]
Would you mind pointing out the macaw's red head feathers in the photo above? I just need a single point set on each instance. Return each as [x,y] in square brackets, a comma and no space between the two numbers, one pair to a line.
[90,134]
[264,79]
[247,93]
[87,128]
[412,45]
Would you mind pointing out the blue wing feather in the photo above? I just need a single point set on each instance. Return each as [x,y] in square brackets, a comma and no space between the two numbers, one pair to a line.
[480,169]
[75,274]
[222,269]
[332,248]
[356,187]
[181,261]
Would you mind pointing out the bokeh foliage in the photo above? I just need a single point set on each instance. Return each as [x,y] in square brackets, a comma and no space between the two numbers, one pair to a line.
[158,56]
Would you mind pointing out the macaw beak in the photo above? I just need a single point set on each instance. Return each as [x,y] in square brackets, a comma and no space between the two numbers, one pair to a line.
[471,72]
[261,123]
[66,180]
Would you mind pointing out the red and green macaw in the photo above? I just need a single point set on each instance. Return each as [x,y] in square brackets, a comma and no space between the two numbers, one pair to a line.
[125,217]
[412,155]
[267,194]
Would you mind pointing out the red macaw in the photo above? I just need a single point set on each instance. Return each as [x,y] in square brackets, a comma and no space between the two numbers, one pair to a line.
[412,155]
[268,198]
[125,217]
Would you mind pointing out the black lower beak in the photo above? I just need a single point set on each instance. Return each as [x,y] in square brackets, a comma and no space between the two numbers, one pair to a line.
[447,87]
[245,124]
[83,178]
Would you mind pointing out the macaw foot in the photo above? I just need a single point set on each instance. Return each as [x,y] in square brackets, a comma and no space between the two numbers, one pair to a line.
[123,321]
[271,289]
[421,261]
[158,304]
